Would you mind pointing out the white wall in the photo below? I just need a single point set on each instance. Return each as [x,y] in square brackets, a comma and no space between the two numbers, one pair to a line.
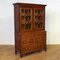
[52,20]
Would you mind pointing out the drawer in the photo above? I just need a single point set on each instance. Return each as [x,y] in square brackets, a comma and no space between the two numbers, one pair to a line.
[27,48]
[27,41]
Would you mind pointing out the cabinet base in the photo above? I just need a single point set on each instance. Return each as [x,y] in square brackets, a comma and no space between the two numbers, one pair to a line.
[25,54]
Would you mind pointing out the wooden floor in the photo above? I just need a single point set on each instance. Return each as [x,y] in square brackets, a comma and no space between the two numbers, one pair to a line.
[52,53]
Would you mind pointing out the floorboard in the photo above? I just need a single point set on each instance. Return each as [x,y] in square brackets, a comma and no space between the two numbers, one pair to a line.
[52,53]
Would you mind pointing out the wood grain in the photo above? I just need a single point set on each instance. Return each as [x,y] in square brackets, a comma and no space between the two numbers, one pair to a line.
[7,53]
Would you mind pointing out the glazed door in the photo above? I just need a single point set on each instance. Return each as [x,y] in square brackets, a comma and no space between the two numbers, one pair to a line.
[39,16]
[26,19]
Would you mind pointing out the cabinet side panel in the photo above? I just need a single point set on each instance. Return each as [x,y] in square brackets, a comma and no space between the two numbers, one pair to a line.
[16,18]
[16,24]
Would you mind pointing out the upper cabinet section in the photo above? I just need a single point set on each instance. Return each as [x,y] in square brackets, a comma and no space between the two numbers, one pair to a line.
[29,5]
[29,17]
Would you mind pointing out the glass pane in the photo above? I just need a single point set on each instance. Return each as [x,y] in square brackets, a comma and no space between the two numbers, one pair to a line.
[39,18]
[40,25]
[29,11]
[36,17]
[27,18]
[23,26]
[38,11]
[22,10]
[28,26]
[22,17]
[26,11]
[42,11]
[36,24]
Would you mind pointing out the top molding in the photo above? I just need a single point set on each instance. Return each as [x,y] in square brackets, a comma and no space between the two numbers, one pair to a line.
[28,4]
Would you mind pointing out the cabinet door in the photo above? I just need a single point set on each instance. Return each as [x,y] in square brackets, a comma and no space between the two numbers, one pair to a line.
[39,18]
[39,40]
[27,42]
[25,19]
[43,39]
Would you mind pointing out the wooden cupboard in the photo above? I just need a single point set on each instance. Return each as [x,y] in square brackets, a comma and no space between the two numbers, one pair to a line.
[30,34]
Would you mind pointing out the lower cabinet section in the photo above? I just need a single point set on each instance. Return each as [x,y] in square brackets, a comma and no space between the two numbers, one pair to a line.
[28,42]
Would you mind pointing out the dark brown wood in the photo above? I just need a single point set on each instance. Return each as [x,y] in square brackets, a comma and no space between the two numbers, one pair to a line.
[30,34]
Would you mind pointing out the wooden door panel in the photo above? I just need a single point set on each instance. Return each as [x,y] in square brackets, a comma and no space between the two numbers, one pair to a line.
[43,40]
[39,40]
[27,42]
